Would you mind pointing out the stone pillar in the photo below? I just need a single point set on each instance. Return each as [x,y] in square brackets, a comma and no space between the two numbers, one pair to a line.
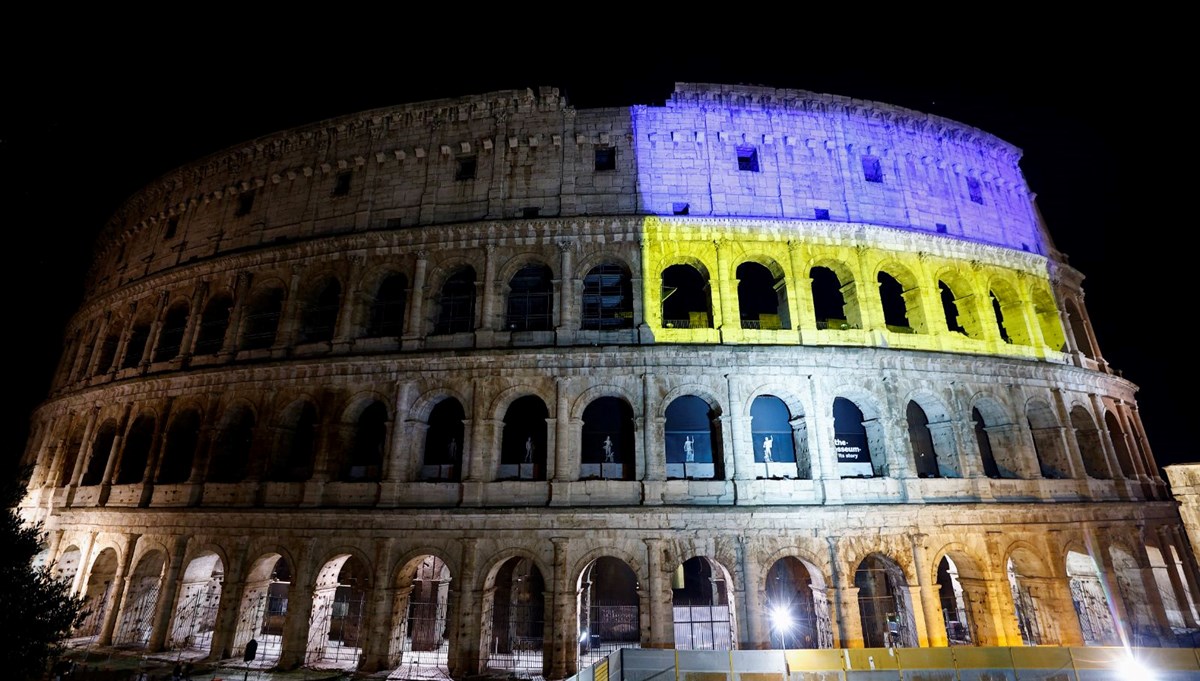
[345,324]
[661,611]
[849,619]
[1108,579]
[195,315]
[565,468]
[85,448]
[754,635]
[568,301]
[374,655]
[85,562]
[465,654]
[403,459]
[116,595]
[653,449]
[927,594]
[1106,443]
[487,318]
[725,312]
[563,660]
[294,645]
[232,587]
[289,316]
[123,340]
[740,434]
[1183,596]
[413,321]
[114,455]
[156,323]
[97,347]
[241,289]
[168,593]
[1074,457]
[804,317]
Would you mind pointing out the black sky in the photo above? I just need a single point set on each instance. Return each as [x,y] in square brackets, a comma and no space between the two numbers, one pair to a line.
[79,136]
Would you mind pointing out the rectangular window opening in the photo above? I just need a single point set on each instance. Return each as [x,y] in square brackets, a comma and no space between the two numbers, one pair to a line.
[530,212]
[466,168]
[747,158]
[342,187]
[606,158]
[974,190]
[680,208]
[941,228]
[244,203]
[172,227]
[821,213]
[872,169]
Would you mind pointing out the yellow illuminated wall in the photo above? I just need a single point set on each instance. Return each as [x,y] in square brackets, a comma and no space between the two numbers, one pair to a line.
[856,254]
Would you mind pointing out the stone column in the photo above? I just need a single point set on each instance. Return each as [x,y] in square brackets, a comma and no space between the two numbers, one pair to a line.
[740,433]
[1183,596]
[565,468]
[564,653]
[241,289]
[232,587]
[927,594]
[653,449]
[661,615]
[754,636]
[374,655]
[843,599]
[804,316]
[345,324]
[294,645]
[116,595]
[168,593]
[123,340]
[156,322]
[289,316]
[465,654]
[114,454]
[414,320]
[568,301]
[1108,579]
[96,350]
[85,448]
[1074,457]
[1158,609]
[729,322]
[195,315]
[487,318]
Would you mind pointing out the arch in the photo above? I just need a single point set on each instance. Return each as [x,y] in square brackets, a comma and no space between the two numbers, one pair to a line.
[170,338]
[780,440]
[195,615]
[607,303]
[444,439]
[232,446]
[513,614]
[1049,321]
[530,299]
[832,293]
[686,297]
[101,450]
[1047,440]
[336,626]
[609,608]
[1079,329]
[294,455]
[606,441]
[140,602]
[386,312]
[1009,312]
[692,437]
[1087,435]
[884,603]
[1026,573]
[260,319]
[1116,433]
[67,565]
[858,440]
[1131,587]
[71,451]
[953,599]
[319,311]
[1172,607]
[702,599]
[957,306]
[138,338]
[523,440]
[362,459]
[97,592]
[214,324]
[179,450]
[135,454]
[797,607]
[998,437]
[1091,604]
[420,639]
[108,347]
[264,607]
[456,303]
[900,299]
[762,296]
[931,435]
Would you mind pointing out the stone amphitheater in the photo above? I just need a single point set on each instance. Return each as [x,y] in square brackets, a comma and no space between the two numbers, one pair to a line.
[492,385]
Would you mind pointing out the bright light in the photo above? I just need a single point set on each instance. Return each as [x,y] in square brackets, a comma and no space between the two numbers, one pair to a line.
[583,636]
[781,618]
[1131,668]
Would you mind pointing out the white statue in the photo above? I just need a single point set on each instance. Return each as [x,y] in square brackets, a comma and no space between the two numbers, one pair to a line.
[608,449]
[452,450]
[529,449]
[689,449]
[768,442]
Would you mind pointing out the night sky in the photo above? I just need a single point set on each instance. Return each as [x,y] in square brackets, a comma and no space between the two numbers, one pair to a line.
[77,140]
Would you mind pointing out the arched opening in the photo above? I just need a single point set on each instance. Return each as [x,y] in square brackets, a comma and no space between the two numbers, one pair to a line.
[335,628]
[1131,586]
[998,312]
[67,565]
[607,298]
[135,345]
[1173,609]
[954,319]
[530,299]
[1079,329]
[1010,314]
[984,441]
[1026,579]
[387,307]
[1087,435]
[606,447]
[857,440]
[953,599]
[170,338]
[1047,440]
[108,348]
[456,303]
[214,323]
[523,444]
[318,317]
[693,440]
[776,437]
[195,616]
[232,447]
[102,445]
[140,602]
[1091,604]
[762,297]
[132,469]
[179,451]
[420,641]
[70,456]
[1049,321]
[895,308]
[797,608]
[686,298]
[1116,433]
[883,604]
[444,442]
[921,440]
[260,322]
[263,609]
[702,600]
[514,613]
[97,594]
[295,452]
[363,462]
[1174,563]
[609,609]
[829,301]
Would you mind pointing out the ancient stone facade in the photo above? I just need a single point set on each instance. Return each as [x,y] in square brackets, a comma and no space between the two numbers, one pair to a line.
[495,384]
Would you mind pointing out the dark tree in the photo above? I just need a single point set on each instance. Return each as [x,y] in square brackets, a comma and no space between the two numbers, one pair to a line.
[36,611]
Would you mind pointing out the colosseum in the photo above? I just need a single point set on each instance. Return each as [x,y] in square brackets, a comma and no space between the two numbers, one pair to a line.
[492,385]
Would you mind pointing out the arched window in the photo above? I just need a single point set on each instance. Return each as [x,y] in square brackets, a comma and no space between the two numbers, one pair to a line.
[998,310]
[797,608]
[607,298]
[387,307]
[101,449]
[261,321]
[523,446]
[108,348]
[364,460]
[1087,435]
[70,457]
[1079,329]
[136,452]
[686,299]
[179,450]
[515,606]
[1117,434]
[232,448]
[950,308]
[456,311]
[762,298]
[987,457]
[1049,321]
[771,434]
[135,346]
[609,608]
[702,606]
[852,442]
[1090,601]
[607,440]
[829,304]
[924,456]
[170,339]
[1047,440]
[954,604]
[895,309]
[444,442]
[296,449]
[883,604]
[320,313]
[214,322]
[530,300]
[693,440]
